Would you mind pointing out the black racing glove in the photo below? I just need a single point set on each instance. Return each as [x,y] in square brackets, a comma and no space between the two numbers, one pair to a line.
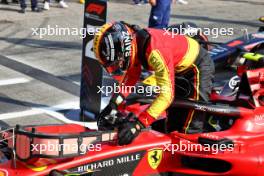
[109,117]
[105,120]
[129,130]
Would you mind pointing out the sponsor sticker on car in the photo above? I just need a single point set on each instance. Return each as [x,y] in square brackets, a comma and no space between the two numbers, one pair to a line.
[119,165]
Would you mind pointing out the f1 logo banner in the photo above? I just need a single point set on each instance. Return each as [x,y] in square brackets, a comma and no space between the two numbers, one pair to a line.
[92,74]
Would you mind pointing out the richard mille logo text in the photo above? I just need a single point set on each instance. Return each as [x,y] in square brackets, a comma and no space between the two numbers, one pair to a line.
[108,163]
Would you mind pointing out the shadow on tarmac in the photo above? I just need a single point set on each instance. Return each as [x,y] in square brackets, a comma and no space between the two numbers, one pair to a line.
[40,75]
[9,101]
[8,9]
[43,43]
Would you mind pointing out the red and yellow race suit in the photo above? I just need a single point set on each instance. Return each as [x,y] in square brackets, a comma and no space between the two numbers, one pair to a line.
[166,55]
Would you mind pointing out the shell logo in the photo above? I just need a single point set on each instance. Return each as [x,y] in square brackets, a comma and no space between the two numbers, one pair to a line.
[41,164]
[36,169]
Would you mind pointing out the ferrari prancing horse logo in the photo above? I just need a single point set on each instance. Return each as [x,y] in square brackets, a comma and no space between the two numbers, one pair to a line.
[154,158]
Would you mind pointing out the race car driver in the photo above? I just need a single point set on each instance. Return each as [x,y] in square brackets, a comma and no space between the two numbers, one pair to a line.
[128,49]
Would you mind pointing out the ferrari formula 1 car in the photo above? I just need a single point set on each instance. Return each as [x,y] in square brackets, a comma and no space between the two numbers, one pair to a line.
[236,148]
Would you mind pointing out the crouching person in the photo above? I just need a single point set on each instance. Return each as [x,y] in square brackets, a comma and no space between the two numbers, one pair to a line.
[125,48]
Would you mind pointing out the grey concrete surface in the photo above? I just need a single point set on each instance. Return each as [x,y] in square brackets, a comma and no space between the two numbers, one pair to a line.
[59,57]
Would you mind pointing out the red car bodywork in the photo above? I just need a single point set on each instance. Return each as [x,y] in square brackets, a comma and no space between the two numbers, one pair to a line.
[153,152]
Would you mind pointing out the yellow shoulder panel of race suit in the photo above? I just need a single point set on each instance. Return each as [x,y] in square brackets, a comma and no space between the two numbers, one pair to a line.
[163,80]
[190,56]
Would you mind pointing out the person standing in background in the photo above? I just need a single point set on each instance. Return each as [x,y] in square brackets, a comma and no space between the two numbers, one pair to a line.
[160,13]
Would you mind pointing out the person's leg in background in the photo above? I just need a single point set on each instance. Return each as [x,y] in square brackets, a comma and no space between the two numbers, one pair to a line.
[136,2]
[23,6]
[157,14]
[34,6]
[167,12]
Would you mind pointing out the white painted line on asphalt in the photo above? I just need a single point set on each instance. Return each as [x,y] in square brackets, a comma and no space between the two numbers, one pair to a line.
[13,81]
[68,105]
[36,111]
[52,112]
[13,115]
[77,82]
[61,117]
